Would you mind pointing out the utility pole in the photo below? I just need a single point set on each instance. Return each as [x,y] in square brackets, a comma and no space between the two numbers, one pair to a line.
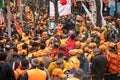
[8,19]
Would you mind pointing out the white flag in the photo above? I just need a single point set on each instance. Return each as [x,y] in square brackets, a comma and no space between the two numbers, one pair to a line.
[103,20]
[63,9]
[89,14]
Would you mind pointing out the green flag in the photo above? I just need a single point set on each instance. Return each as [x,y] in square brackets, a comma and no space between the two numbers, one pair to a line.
[1,4]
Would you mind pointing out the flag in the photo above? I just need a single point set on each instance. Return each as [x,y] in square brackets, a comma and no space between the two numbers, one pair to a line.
[19,29]
[89,14]
[112,9]
[63,9]
[101,13]
[63,2]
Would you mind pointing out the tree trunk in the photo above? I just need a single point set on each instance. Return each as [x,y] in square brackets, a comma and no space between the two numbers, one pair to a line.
[99,19]
[56,11]
[9,20]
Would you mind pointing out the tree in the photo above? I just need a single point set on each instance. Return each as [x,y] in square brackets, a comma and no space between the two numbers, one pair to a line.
[1,4]
[56,10]
[99,19]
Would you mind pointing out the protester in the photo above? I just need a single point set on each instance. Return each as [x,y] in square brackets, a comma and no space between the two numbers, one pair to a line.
[24,67]
[78,75]
[98,67]
[6,71]
[35,73]
[68,47]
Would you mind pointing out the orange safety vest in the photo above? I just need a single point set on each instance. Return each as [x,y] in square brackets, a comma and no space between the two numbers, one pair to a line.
[102,36]
[113,63]
[36,74]
[19,72]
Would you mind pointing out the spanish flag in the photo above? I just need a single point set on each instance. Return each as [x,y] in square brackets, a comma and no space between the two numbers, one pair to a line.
[19,29]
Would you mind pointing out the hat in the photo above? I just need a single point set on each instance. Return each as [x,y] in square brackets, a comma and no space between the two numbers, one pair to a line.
[86,49]
[36,54]
[59,61]
[92,45]
[63,44]
[79,74]
[72,79]
[80,51]
[35,62]
[102,47]
[44,33]
[59,72]
[96,50]
[23,52]
[78,44]
[73,52]
[40,60]
[71,32]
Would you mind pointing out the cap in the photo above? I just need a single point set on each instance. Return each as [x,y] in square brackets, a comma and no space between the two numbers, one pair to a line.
[44,33]
[63,44]
[72,79]
[40,59]
[78,44]
[79,74]
[92,45]
[59,72]
[36,54]
[96,50]
[59,61]
[35,62]
[23,52]
[86,49]
[73,52]
[80,51]
[102,47]
[71,32]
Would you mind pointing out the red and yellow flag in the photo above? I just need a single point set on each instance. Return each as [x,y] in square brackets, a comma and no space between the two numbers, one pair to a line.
[19,29]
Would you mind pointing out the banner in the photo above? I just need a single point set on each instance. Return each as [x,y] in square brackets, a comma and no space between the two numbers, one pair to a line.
[112,9]
[101,13]
[89,14]
[62,9]
[118,7]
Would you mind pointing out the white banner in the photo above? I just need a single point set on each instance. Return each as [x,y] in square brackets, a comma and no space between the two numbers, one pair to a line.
[89,14]
[63,9]
[103,20]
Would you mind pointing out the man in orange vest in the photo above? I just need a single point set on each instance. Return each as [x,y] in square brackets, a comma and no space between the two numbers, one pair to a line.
[35,73]
[20,72]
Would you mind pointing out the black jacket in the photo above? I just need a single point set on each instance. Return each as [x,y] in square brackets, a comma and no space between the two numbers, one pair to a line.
[98,66]
[6,72]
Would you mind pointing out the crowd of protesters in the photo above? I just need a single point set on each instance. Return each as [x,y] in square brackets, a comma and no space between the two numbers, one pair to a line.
[72,49]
